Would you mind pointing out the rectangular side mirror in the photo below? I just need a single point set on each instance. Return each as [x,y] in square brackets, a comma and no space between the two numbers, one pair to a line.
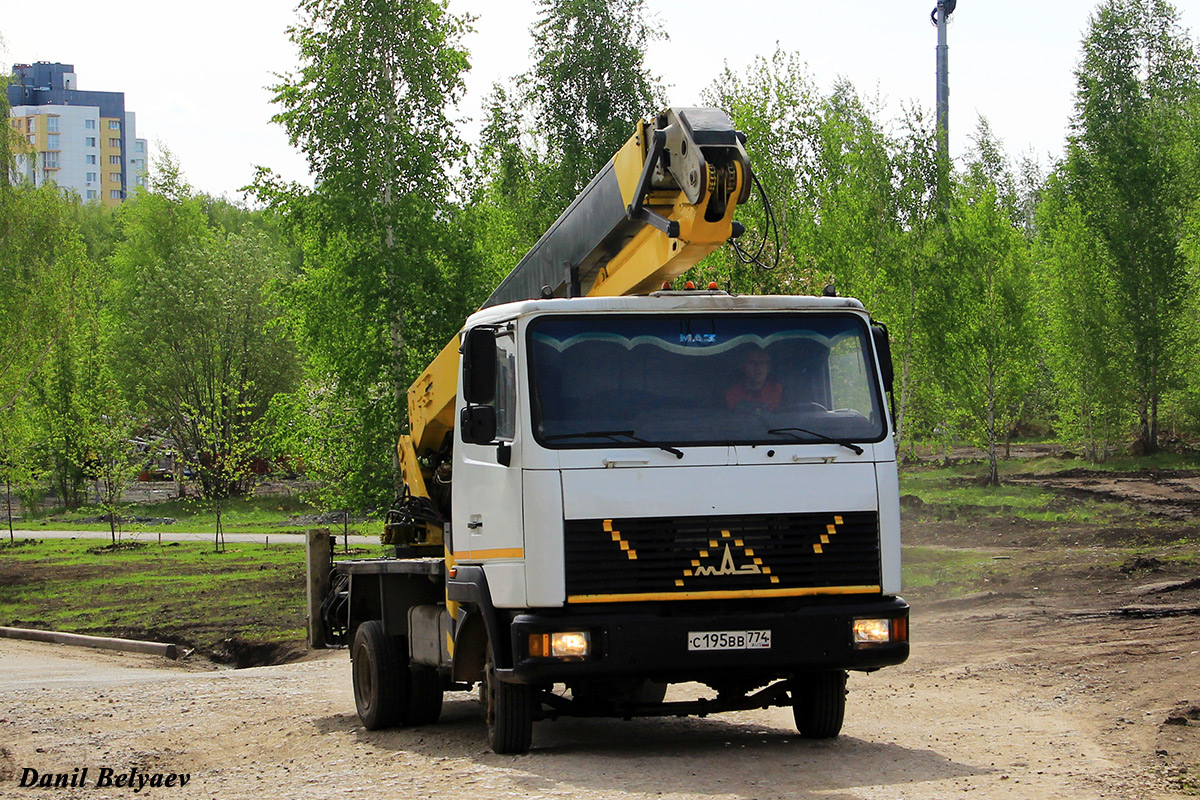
[478,424]
[479,365]
[883,350]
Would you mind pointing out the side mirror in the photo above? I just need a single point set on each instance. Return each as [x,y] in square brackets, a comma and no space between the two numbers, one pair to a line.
[883,350]
[478,424]
[479,366]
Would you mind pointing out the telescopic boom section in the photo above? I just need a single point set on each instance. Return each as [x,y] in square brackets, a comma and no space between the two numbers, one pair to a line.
[664,202]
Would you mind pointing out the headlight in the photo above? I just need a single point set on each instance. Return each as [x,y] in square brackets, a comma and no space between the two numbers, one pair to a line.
[561,644]
[880,631]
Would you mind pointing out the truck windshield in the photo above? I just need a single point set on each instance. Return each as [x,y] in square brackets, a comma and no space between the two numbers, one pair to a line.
[703,379]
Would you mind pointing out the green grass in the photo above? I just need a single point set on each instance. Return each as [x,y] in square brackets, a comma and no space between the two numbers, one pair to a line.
[948,572]
[958,490]
[252,514]
[182,592]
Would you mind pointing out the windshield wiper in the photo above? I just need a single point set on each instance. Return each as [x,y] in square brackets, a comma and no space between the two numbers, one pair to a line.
[858,451]
[675,451]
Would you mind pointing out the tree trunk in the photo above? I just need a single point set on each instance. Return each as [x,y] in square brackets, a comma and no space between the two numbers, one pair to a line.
[993,466]
[1091,446]
[1146,443]
[219,534]
[904,371]
[1154,424]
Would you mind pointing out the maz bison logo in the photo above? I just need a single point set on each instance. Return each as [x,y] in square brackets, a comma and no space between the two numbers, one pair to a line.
[744,563]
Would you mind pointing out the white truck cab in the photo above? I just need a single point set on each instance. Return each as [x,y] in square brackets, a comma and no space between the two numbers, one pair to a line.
[626,440]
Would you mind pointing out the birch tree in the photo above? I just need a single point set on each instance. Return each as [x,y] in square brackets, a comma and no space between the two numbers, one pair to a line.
[1136,75]
[982,335]
[370,106]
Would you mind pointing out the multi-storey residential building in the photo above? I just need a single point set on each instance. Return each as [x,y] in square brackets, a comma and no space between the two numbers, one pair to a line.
[80,140]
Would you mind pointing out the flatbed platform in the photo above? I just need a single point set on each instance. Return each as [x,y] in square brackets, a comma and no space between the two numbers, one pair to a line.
[433,567]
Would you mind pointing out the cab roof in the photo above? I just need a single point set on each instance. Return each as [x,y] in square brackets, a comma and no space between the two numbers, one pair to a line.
[663,302]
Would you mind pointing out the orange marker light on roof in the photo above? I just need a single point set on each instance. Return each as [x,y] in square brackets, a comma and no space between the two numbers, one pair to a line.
[712,284]
[689,285]
[666,285]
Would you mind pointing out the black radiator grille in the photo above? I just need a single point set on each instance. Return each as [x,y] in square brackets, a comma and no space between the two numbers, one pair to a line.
[712,556]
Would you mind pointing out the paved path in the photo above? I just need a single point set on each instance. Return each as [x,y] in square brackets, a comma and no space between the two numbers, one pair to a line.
[153,536]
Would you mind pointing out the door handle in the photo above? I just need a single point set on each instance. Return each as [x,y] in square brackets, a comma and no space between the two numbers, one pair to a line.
[611,463]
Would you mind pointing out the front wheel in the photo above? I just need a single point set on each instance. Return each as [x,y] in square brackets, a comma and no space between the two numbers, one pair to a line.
[509,710]
[819,704]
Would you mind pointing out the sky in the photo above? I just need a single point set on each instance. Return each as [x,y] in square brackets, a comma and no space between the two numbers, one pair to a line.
[196,74]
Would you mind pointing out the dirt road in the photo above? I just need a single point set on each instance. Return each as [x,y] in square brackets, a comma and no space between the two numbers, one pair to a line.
[1006,696]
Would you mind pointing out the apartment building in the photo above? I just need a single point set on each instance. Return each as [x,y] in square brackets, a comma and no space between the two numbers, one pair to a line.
[85,141]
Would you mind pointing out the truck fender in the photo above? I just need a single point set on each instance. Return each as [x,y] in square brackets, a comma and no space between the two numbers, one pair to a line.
[470,646]
[482,624]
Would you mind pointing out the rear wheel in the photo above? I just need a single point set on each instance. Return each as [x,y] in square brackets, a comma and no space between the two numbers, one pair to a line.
[424,696]
[380,679]
[819,703]
[509,709]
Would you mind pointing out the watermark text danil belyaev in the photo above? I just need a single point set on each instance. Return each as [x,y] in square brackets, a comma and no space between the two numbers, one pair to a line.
[102,778]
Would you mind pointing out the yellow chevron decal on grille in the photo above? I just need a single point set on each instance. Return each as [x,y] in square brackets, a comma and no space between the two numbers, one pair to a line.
[616,537]
[830,530]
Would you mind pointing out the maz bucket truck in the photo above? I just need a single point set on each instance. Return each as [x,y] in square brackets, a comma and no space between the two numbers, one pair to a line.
[610,489]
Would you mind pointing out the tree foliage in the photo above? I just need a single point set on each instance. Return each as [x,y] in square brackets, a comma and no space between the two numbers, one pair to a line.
[189,313]
[44,271]
[382,268]
[852,198]
[21,463]
[1087,348]
[546,137]
[589,84]
[76,402]
[1135,80]
[982,335]
[1066,298]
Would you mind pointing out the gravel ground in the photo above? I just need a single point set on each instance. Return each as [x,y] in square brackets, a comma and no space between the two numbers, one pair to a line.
[1002,698]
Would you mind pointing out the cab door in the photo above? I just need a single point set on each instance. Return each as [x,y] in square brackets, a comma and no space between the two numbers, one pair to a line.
[486,496]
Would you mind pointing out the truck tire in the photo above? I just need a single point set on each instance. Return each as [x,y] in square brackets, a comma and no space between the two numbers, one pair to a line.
[509,711]
[380,677]
[819,704]
[424,696]
[650,692]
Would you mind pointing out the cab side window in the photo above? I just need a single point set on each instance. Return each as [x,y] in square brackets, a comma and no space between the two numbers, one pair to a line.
[506,386]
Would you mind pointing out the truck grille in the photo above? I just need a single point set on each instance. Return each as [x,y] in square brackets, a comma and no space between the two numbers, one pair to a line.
[725,556]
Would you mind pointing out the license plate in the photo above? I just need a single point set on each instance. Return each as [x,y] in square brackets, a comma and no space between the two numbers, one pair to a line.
[729,640]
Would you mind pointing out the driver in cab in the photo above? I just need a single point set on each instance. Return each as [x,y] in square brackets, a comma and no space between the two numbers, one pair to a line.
[754,391]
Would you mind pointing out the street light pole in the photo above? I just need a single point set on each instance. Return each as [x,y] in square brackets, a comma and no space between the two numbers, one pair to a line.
[943,83]
[940,15]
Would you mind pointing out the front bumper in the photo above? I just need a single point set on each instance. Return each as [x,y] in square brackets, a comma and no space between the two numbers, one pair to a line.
[651,640]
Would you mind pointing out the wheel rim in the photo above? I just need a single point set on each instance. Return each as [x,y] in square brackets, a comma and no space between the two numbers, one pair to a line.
[364,683]
[489,678]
